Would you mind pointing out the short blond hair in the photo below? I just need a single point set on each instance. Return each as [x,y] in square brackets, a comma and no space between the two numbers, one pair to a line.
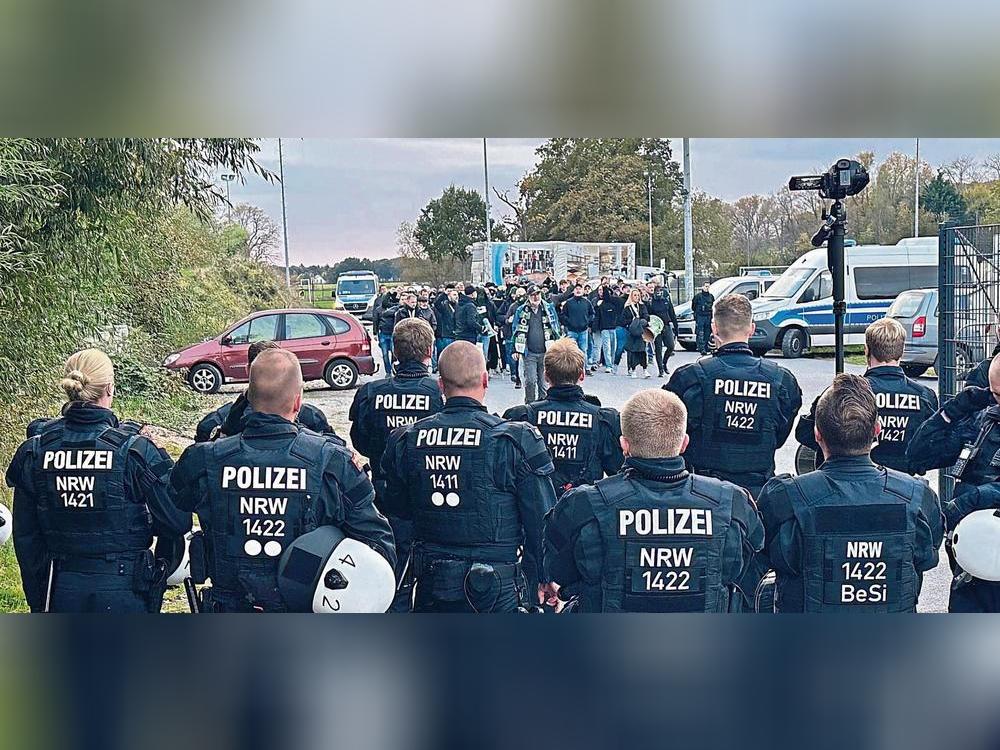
[885,339]
[87,375]
[732,314]
[564,362]
[654,422]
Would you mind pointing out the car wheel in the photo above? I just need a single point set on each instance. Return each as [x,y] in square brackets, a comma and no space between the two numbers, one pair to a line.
[341,375]
[793,343]
[915,371]
[689,347]
[205,378]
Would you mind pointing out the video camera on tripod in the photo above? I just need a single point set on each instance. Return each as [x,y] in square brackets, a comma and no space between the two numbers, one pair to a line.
[846,177]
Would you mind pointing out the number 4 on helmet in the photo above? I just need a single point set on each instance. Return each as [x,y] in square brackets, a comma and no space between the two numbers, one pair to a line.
[323,571]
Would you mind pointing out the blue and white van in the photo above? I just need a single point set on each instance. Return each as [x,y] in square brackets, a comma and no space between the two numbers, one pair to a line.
[356,293]
[796,312]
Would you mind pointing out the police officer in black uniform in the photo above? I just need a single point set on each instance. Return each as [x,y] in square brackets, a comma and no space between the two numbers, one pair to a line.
[381,406]
[702,305]
[257,491]
[229,419]
[903,403]
[581,436]
[477,489]
[965,435]
[851,536]
[741,407]
[90,494]
[654,538]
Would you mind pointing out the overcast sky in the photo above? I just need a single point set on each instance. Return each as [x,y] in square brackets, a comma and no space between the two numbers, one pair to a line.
[347,196]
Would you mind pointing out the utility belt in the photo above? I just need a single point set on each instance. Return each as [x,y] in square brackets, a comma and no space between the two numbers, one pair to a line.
[217,600]
[148,575]
[449,579]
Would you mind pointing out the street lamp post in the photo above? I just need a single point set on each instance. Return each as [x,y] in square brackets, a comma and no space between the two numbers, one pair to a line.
[916,194]
[228,178]
[284,217]
[486,179]
[649,192]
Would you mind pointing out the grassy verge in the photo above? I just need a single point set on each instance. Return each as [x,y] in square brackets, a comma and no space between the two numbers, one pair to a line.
[176,408]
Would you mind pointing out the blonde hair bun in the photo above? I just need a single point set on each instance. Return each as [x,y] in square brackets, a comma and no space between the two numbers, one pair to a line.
[87,375]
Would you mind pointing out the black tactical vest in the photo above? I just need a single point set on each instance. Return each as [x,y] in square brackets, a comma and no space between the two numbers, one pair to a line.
[397,402]
[663,550]
[85,507]
[572,434]
[739,421]
[456,500]
[901,412]
[260,500]
[857,552]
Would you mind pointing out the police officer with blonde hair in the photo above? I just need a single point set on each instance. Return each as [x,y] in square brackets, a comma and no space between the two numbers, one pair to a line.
[655,538]
[90,496]
[258,491]
[903,403]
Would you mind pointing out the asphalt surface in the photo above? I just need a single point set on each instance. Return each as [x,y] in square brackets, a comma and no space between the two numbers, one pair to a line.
[813,376]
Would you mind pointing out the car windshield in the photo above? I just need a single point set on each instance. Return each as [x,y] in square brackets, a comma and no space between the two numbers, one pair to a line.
[790,283]
[720,287]
[355,286]
[906,305]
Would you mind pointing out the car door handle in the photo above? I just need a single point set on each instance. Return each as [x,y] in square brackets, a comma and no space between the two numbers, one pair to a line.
[325,343]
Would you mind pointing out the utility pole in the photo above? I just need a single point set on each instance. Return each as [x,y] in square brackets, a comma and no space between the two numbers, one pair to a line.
[284,216]
[649,193]
[688,224]
[486,179]
[916,194]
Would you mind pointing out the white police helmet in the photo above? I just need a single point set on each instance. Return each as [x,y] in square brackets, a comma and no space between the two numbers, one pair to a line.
[976,544]
[183,569]
[324,571]
[6,523]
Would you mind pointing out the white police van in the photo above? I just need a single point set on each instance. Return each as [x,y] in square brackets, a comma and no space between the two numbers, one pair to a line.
[750,286]
[797,311]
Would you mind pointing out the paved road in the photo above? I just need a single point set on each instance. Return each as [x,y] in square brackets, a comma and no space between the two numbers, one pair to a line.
[613,390]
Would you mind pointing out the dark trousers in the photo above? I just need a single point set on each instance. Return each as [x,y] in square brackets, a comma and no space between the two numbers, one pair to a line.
[975,596]
[454,590]
[703,332]
[663,347]
[402,532]
[96,592]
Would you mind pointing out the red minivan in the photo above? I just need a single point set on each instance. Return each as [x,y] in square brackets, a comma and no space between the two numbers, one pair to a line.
[331,346]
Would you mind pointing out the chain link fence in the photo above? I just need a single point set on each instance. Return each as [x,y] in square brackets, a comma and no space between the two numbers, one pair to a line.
[968,307]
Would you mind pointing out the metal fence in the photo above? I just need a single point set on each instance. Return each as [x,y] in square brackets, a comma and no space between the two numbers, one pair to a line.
[968,306]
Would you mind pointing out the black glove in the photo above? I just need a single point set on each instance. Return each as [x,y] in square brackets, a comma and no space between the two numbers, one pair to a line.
[968,401]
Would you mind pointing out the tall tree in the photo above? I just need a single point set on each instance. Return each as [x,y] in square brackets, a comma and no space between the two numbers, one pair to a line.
[449,224]
[595,189]
[262,233]
[940,197]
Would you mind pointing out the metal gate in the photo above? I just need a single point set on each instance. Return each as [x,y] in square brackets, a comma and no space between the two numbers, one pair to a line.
[968,307]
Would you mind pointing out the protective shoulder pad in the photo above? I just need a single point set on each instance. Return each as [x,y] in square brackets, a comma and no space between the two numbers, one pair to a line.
[51,432]
[35,426]
[519,413]
[614,489]
[709,487]
[574,510]
[901,484]
[131,426]
[339,461]
[25,452]
[117,437]
[307,446]
[775,502]
[528,441]
[226,446]
[610,418]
